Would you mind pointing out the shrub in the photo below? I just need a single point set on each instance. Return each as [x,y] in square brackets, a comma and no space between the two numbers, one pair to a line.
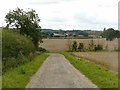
[74,46]
[91,46]
[81,47]
[16,49]
[14,44]
[40,49]
[98,47]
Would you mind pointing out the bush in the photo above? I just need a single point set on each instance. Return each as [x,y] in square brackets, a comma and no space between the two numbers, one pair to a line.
[81,47]
[74,46]
[40,49]
[94,47]
[16,49]
[14,44]
[91,46]
[98,47]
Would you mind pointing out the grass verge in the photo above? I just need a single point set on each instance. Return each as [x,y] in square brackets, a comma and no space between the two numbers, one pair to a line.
[100,76]
[20,76]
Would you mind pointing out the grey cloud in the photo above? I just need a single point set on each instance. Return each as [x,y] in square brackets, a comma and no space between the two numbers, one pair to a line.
[44,3]
[58,19]
[100,5]
[85,18]
[69,0]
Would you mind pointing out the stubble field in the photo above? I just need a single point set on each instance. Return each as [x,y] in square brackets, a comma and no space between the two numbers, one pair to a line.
[56,45]
[108,59]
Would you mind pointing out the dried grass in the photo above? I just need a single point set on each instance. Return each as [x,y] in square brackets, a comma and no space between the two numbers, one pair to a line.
[106,59]
[55,45]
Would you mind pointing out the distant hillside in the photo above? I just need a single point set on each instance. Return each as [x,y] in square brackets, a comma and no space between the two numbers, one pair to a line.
[73,33]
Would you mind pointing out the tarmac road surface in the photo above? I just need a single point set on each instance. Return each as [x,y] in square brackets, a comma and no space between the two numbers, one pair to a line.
[57,72]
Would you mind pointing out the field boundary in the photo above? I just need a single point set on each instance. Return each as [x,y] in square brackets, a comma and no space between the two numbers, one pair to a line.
[100,76]
[19,77]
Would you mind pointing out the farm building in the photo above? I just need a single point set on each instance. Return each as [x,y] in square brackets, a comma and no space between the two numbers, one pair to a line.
[58,35]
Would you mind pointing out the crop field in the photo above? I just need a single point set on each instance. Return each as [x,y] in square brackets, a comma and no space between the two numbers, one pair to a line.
[56,45]
[106,59]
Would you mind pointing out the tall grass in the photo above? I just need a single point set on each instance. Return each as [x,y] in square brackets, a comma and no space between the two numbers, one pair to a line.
[20,76]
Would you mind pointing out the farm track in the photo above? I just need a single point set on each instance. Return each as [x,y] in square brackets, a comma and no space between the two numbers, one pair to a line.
[57,72]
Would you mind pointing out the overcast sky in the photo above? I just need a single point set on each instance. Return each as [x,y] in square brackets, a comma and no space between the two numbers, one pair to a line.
[68,14]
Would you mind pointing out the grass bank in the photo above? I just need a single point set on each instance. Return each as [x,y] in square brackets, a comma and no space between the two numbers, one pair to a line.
[20,76]
[100,76]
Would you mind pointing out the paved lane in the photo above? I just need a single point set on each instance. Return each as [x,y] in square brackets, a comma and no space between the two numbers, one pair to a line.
[57,72]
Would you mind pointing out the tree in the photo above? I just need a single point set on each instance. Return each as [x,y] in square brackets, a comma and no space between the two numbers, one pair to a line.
[26,22]
[110,34]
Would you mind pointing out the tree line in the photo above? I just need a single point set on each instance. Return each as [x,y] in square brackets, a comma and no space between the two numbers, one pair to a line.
[110,34]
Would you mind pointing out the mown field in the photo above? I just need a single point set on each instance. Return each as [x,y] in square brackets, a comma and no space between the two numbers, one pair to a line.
[56,45]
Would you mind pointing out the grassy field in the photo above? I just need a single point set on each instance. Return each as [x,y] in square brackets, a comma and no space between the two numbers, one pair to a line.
[20,76]
[100,76]
[56,45]
[106,59]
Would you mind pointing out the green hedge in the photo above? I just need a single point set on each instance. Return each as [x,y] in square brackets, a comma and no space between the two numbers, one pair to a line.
[15,47]
[14,44]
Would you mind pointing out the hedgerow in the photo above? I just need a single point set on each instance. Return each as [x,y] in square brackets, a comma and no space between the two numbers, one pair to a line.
[15,48]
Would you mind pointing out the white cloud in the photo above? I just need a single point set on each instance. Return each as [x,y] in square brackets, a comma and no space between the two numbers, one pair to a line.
[68,14]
